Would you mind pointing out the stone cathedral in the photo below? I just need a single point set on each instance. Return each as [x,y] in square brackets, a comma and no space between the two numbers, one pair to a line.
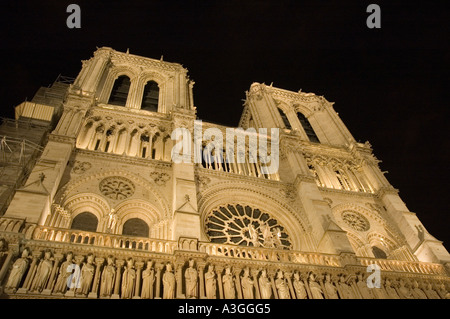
[92,204]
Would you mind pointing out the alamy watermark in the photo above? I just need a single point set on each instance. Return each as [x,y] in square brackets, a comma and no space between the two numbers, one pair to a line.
[209,146]
[374,280]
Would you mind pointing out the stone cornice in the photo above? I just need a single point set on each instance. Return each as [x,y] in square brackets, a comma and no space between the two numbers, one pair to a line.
[251,180]
[125,159]
[119,112]
[147,62]
[62,139]
[346,192]
[386,191]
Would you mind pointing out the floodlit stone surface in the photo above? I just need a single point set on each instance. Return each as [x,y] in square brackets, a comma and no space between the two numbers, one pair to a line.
[98,162]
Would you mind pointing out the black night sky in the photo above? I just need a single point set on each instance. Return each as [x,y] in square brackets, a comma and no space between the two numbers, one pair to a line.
[390,85]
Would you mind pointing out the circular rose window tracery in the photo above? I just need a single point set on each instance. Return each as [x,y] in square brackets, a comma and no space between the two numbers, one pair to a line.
[356,220]
[245,226]
[117,187]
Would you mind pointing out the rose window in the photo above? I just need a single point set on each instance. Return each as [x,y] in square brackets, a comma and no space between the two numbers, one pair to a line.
[116,187]
[246,226]
[356,221]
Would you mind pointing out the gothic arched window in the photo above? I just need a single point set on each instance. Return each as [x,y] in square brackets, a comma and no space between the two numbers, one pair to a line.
[150,97]
[85,221]
[119,93]
[285,119]
[378,253]
[308,128]
[135,227]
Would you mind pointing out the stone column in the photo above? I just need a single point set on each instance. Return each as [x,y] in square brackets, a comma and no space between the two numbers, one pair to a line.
[271,273]
[51,281]
[94,292]
[137,291]
[304,278]
[158,267]
[179,279]
[119,264]
[30,275]
[219,270]
[288,276]
[255,273]
[320,281]
[201,282]
[237,272]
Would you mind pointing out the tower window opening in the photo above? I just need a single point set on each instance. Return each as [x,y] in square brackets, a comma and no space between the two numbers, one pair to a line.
[150,97]
[285,119]
[308,128]
[119,93]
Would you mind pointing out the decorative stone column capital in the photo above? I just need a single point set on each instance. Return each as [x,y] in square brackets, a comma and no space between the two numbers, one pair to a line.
[99,261]
[139,265]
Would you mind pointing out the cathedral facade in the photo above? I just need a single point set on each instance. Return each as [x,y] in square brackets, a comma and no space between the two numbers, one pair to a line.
[100,208]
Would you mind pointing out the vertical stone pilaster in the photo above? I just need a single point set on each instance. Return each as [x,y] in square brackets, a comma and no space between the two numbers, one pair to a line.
[158,267]
[255,273]
[219,270]
[137,291]
[201,282]
[119,264]
[98,265]
[271,273]
[237,272]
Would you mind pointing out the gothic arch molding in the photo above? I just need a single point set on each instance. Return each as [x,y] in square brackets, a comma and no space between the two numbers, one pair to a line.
[161,203]
[234,194]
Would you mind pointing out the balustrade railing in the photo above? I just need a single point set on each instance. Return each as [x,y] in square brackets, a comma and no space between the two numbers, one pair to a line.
[266,254]
[405,266]
[104,239]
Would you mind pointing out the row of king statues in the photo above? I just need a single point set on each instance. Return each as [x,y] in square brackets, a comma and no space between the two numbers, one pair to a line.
[72,275]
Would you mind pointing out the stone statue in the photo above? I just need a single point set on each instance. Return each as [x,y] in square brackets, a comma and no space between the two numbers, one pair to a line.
[43,273]
[299,287]
[366,292]
[430,292]
[282,287]
[148,278]
[18,270]
[108,277]
[330,288]
[87,274]
[404,291]
[314,286]
[228,284]
[390,290]
[346,289]
[276,235]
[247,285]
[168,283]
[128,280]
[267,235]
[442,291]
[253,235]
[64,274]
[210,283]
[417,292]
[191,277]
[265,286]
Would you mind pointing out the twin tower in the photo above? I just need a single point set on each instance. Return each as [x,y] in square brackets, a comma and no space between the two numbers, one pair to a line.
[102,181]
